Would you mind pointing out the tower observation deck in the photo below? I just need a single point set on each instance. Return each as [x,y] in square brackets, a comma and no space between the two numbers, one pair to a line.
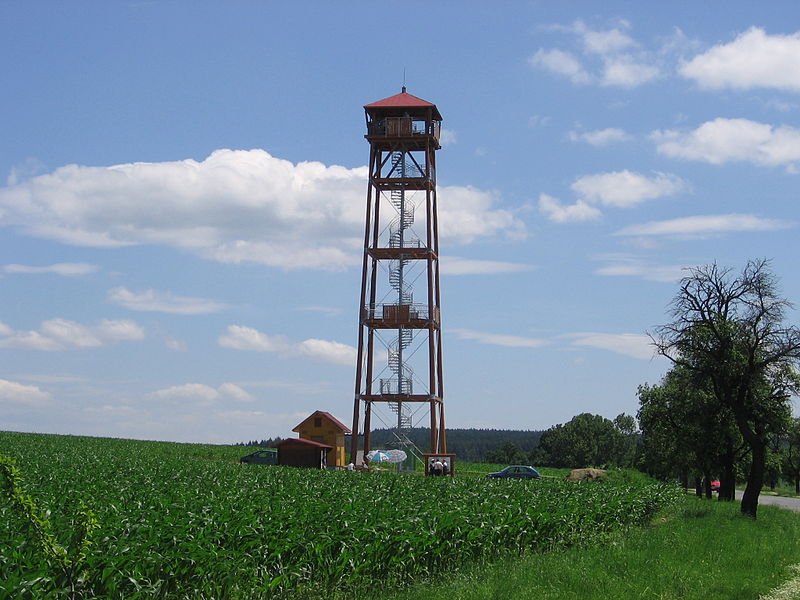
[399,309]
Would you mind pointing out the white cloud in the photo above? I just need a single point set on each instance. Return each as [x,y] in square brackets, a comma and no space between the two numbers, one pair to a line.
[753,60]
[467,214]
[239,337]
[560,213]
[732,140]
[600,137]
[454,265]
[624,189]
[561,63]
[613,58]
[603,42]
[63,269]
[153,301]
[234,206]
[634,345]
[236,392]
[202,393]
[498,339]
[628,266]
[627,72]
[619,189]
[704,225]
[187,391]
[327,351]
[18,393]
[62,334]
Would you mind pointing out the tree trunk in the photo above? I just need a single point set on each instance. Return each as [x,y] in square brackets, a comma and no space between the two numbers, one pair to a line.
[797,486]
[727,482]
[755,479]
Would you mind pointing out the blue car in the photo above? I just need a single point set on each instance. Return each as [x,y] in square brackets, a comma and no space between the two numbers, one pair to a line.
[516,472]
[260,457]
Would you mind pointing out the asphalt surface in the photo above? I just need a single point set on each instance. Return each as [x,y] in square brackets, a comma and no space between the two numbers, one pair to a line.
[787,503]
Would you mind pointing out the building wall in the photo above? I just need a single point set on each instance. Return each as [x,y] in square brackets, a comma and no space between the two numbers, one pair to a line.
[326,433]
[292,456]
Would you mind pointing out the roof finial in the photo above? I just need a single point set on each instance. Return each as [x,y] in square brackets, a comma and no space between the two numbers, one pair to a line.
[404,81]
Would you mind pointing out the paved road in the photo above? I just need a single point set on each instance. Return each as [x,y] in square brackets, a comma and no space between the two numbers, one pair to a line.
[787,503]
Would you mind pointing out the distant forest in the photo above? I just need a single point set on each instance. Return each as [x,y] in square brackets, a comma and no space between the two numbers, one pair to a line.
[474,445]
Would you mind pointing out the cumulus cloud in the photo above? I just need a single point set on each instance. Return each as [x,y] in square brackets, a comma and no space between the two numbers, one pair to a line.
[499,339]
[12,392]
[63,334]
[454,265]
[561,63]
[467,214]
[603,42]
[623,189]
[754,59]
[610,57]
[166,302]
[732,140]
[704,225]
[238,337]
[572,213]
[202,393]
[627,72]
[63,269]
[234,206]
[618,189]
[634,345]
[599,137]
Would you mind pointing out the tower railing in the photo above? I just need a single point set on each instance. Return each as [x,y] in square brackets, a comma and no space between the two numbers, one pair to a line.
[402,127]
[396,313]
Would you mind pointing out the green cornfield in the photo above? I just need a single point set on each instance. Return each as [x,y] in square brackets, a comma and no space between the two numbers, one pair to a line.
[91,517]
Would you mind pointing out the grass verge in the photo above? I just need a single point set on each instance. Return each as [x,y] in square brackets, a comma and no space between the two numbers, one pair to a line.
[698,550]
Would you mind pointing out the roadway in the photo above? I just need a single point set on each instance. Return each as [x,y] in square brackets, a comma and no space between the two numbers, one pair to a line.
[781,501]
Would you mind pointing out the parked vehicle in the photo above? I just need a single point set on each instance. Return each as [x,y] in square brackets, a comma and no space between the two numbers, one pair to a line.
[516,472]
[261,457]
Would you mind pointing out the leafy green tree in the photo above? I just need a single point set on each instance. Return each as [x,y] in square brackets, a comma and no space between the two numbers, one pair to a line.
[627,451]
[791,455]
[686,432]
[508,453]
[729,329]
[586,440]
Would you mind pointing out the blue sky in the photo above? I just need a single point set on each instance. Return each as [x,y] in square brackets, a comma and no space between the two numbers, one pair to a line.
[182,194]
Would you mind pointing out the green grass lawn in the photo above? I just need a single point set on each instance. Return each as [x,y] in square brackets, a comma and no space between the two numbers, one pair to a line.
[700,549]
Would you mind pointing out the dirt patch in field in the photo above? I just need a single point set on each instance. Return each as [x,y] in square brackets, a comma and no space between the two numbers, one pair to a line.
[585,474]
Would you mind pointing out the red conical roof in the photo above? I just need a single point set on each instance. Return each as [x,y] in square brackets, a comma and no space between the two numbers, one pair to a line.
[404,100]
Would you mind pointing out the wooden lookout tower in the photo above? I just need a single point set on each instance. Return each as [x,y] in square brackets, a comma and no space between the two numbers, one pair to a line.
[399,309]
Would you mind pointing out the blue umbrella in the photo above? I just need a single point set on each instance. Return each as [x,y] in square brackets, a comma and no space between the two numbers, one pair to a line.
[377,456]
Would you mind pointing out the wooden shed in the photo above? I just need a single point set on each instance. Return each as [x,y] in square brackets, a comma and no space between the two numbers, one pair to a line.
[303,453]
[322,427]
